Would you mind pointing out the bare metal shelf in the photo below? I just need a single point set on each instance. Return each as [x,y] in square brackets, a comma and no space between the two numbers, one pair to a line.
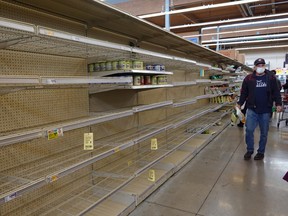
[76,159]
[116,175]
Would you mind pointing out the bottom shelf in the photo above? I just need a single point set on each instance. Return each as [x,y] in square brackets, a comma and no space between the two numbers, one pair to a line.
[144,184]
[122,181]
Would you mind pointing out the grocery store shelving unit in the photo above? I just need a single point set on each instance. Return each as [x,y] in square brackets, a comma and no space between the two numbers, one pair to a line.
[142,134]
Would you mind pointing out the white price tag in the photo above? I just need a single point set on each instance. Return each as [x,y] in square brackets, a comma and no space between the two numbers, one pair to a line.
[88,141]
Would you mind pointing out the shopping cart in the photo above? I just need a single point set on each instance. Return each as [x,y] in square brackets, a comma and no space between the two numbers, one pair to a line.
[284,110]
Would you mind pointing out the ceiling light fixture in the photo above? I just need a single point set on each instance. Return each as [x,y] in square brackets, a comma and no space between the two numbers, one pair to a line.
[238,31]
[244,42]
[262,47]
[227,21]
[199,8]
[248,37]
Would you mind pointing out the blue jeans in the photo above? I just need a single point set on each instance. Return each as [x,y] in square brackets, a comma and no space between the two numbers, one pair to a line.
[252,120]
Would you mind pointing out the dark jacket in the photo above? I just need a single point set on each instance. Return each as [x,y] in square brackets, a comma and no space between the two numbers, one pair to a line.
[248,91]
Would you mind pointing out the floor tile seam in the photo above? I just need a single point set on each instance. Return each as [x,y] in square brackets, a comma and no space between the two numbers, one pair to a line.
[221,173]
[170,207]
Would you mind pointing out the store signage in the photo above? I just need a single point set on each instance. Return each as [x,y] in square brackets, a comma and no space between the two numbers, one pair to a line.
[88,141]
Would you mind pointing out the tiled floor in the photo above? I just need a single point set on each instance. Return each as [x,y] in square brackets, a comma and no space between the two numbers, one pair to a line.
[218,182]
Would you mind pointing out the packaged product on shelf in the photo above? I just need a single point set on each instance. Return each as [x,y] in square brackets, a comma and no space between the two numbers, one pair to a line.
[147,80]
[162,80]
[137,80]
[96,66]
[122,65]
[142,80]
[102,66]
[136,64]
[162,67]
[128,65]
[108,66]
[149,67]
[91,67]
[154,80]
[115,65]
[156,67]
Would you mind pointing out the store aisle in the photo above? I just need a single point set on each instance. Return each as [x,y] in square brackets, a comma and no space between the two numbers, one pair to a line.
[218,182]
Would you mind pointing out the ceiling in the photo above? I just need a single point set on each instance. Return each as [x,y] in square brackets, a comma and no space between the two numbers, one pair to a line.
[191,19]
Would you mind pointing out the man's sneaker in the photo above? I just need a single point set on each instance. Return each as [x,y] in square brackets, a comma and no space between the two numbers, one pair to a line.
[247,155]
[259,156]
[240,124]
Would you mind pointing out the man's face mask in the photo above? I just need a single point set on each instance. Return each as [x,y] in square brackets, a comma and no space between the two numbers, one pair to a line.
[260,70]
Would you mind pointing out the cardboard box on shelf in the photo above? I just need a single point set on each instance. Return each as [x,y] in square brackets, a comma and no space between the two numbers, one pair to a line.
[241,58]
[231,53]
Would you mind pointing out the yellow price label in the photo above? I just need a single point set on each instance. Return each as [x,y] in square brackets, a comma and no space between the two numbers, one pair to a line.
[117,149]
[54,133]
[152,175]
[129,163]
[88,141]
[50,33]
[154,144]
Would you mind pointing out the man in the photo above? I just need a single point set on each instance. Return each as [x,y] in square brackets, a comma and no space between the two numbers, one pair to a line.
[259,90]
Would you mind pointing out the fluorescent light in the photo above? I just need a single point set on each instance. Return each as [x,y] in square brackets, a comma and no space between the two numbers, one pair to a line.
[199,8]
[238,31]
[248,37]
[226,21]
[262,47]
[243,42]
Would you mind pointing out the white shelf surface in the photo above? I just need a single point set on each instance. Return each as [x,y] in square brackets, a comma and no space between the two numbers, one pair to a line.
[132,71]
[150,86]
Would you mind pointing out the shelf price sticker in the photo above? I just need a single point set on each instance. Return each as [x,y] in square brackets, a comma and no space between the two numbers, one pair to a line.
[152,175]
[88,141]
[129,163]
[10,197]
[54,133]
[117,149]
[51,179]
[154,144]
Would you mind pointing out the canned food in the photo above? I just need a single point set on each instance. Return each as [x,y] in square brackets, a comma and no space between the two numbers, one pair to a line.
[147,80]
[149,67]
[108,66]
[156,67]
[137,80]
[128,65]
[115,65]
[122,65]
[102,66]
[154,80]
[162,80]
[97,66]
[137,65]
[91,67]
[142,80]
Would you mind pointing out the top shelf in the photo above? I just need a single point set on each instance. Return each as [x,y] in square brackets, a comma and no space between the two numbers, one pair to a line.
[31,38]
